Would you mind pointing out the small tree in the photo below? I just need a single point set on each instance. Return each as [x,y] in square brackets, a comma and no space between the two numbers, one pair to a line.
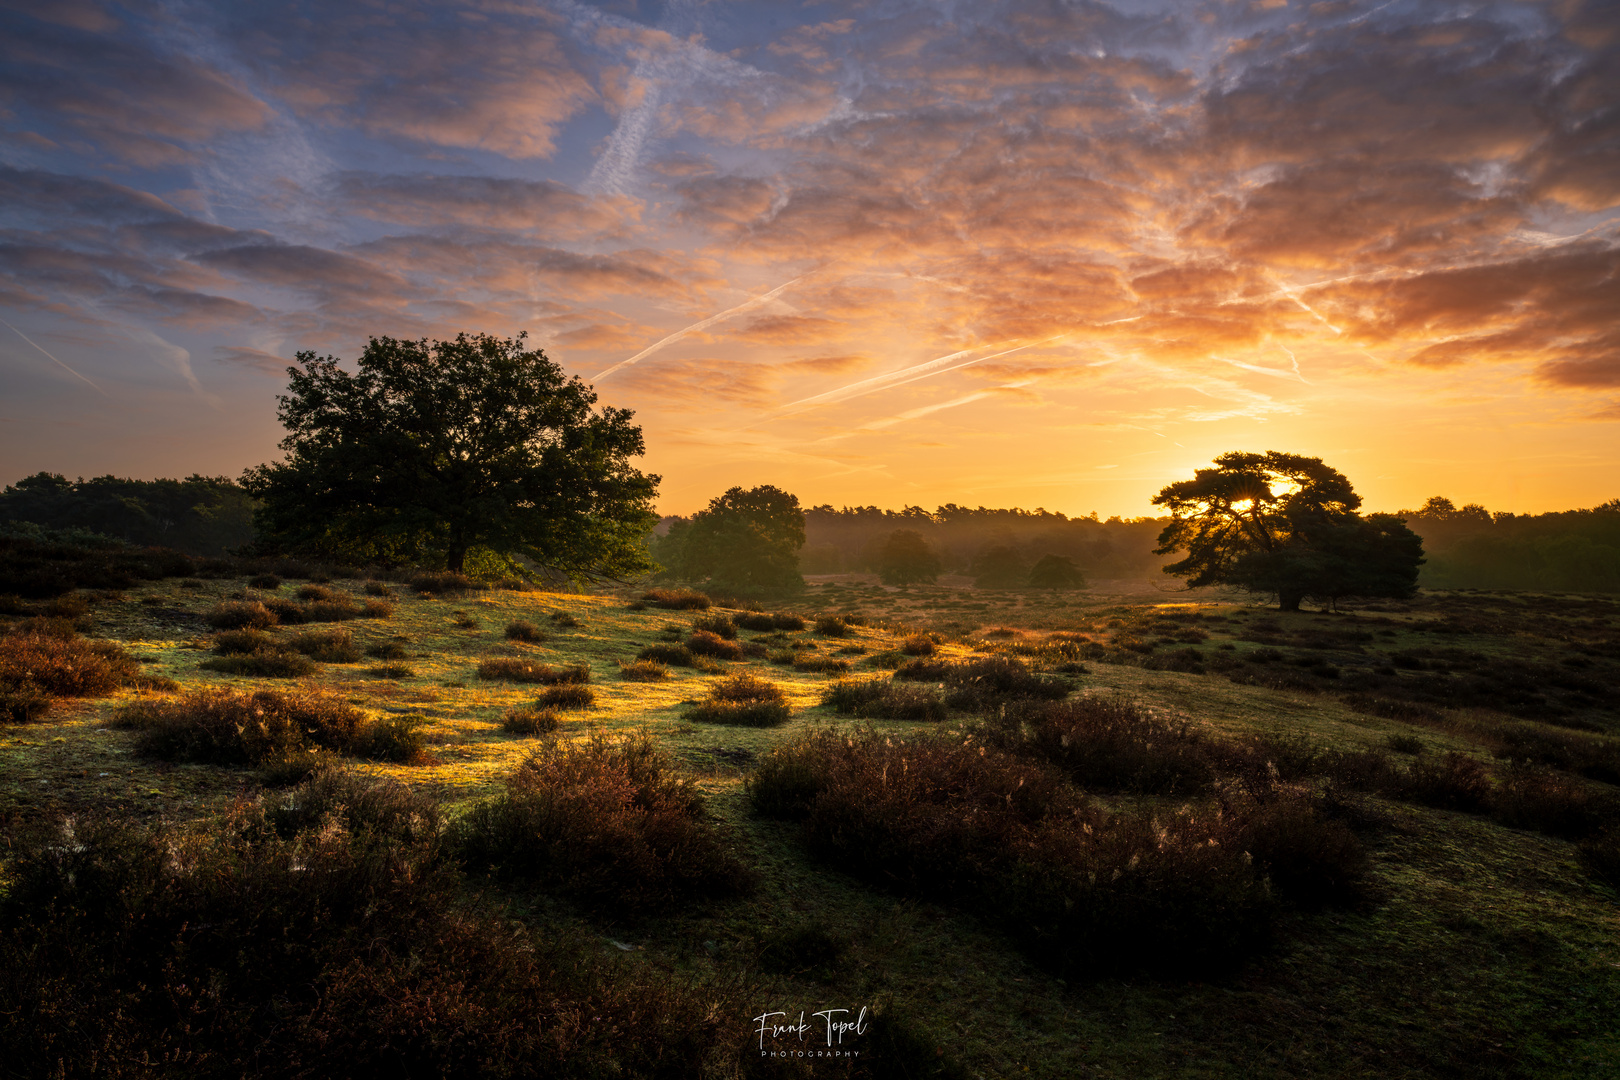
[745,542]
[1285,524]
[432,450]
[999,567]
[1056,572]
[906,559]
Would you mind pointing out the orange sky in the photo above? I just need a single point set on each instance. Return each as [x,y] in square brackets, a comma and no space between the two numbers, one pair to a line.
[1012,254]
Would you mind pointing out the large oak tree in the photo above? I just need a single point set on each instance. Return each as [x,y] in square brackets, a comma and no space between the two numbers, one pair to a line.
[1285,524]
[434,449]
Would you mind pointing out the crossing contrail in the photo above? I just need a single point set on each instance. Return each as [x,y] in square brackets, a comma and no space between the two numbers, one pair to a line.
[747,305]
[54,360]
[910,374]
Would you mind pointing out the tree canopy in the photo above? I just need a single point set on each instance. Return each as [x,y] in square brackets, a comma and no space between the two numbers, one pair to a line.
[744,541]
[201,515]
[1285,524]
[434,449]
[906,559]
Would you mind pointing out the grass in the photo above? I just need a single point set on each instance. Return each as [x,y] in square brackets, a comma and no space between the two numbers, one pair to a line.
[1464,943]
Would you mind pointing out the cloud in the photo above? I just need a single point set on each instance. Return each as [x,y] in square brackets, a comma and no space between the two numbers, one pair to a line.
[483,202]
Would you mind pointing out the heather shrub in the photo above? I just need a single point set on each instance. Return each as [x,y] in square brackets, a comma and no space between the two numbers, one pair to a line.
[677,599]
[1112,744]
[1404,744]
[265,664]
[1451,781]
[1311,859]
[269,582]
[1535,797]
[530,720]
[376,609]
[643,671]
[379,589]
[742,699]
[820,665]
[564,619]
[224,727]
[441,583]
[607,822]
[334,646]
[237,642]
[832,626]
[240,615]
[43,663]
[1359,770]
[986,683]
[918,645]
[674,655]
[464,621]
[787,622]
[882,699]
[391,671]
[755,620]
[512,669]
[922,670]
[522,630]
[317,592]
[708,643]
[387,650]
[567,696]
[393,739]
[719,624]
[342,948]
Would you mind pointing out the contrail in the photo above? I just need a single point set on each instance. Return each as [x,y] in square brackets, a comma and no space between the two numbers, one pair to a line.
[747,305]
[55,361]
[910,374]
[913,414]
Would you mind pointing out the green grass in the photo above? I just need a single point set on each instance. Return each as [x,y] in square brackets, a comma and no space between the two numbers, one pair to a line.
[1482,949]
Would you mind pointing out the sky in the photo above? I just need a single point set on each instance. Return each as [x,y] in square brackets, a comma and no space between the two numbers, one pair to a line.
[1028,253]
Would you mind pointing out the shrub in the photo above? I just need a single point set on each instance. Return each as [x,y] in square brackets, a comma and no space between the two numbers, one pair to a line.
[1405,744]
[22,705]
[979,685]
[1110,743]
[755,620]
[606,822]
[237,642]
[677,599]
[676,655]
[918,645]
[240,615]
[788,622]
[1451,781]
[264,581]
[1535,797]
[531,720]
[441,583]
[379,589]
[376,609]
[564,619]
[318,592]
[223,727]
[924,670]
[375,807]
[387,650]
[824,665]
[742,699]
[832,626]
[708,643]
[266,664]
[643,671]
[719,624]
[465,621]
[522,630]
[882,699]
[41,663]
[391,671]
[1311,859]
[567,696]
[333,646]
[530,671]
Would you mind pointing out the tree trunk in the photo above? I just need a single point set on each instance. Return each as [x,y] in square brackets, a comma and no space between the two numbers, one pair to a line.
[456,558]
[1289,601]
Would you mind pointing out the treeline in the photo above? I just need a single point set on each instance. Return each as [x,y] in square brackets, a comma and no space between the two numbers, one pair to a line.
[852,539]
[1473,548]
[200,515]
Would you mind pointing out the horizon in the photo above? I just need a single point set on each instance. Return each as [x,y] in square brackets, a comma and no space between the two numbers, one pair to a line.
[1013,256]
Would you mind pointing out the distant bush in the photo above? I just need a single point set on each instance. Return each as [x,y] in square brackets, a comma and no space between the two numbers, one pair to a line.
[832,626]
[567,696]
[390,671]
[677,599]
[759,620]
[333,646]
[719,624]
[393,739]
[643,671]
[918,645]
[978,685]
[530,720]
[522,630]
[564,619]
[883,699]
[1404,744]
[674,655]
[1451,781]
[821,665]
[1109,743]
[1309,858]
[529,671]
[742,699]
[369,807]
[240,615]
[707,643]
[379,589]
[318,592]
[265,664]
[923,670]
[223,727]
[237,642]
[607,822]
[34,663]
[387,650]
[264,581]
[1535,797]
[441,583]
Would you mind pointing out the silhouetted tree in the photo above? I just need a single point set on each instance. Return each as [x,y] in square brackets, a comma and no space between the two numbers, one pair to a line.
[999,567]
[201,515]
[906,559]
[432,450]
[744,542]
[1285,524]
[1056,572]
